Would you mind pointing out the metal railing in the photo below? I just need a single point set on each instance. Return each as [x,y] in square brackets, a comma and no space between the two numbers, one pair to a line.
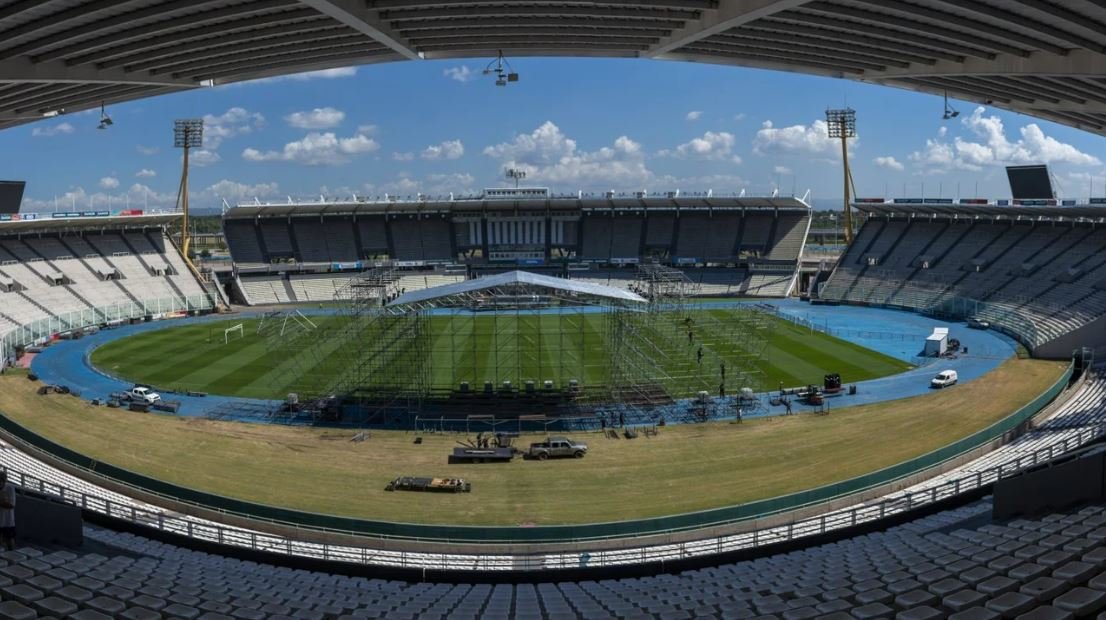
[257,541]
[46,327]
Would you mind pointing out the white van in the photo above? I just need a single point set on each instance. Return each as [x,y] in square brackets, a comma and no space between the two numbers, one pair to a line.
[945,378]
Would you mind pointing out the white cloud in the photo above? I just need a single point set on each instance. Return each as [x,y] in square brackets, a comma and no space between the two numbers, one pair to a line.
[433,185]
[109,182]
[942,131]
[781,170]
[235,121]
[740,116]
[993,148]
[890,163]
[450,149]
[146,173]
[407,156]
[812,139]
[711,145]
[547,155]
[694,115]
[367,130]
[233,191]
[147,150]
[79,198]
[317,149]
[319,118]
[460,74]
[938,156]
[50,131]
[204,157]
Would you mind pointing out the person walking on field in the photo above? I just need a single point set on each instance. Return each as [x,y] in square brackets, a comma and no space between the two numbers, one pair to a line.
[7,512]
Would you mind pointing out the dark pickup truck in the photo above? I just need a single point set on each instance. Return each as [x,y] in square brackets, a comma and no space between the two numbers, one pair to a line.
[557,446]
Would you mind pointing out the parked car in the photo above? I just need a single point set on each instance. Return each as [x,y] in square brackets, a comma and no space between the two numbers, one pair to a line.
[944,379]
[144,395]
[978,323]
[557,446]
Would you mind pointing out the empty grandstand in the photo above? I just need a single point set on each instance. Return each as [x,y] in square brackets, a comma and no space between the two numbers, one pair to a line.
[733,246]
[58,275]
[1035,271]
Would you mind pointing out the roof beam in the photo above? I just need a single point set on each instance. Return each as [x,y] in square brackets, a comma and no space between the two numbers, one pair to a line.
[693,5]
[1021,21]
[90,48]
[23,70]
[300,63]
[1075,63]
[354,14]
[197,50]
[461,24]
[141,41]
[728,16]
[923,14]
[576,11]
[894,23]
[260,53]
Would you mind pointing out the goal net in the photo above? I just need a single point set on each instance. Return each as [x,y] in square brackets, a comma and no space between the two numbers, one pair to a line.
[233,333]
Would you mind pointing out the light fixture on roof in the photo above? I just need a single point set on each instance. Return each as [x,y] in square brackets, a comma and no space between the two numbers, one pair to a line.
[53,113]
[105,120]
[950,112]
[502,70]
[516,174]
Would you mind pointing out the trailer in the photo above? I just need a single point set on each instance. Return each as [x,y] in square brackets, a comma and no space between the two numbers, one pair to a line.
[437,485]
[482,455]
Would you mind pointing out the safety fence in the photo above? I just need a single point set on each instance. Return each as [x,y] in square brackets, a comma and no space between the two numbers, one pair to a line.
[45,328]
[540,534]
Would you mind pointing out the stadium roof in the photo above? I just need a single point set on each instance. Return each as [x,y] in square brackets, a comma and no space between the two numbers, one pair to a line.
[250,210]
[46,222]
[1079,212]
[1041,57]
[515,278]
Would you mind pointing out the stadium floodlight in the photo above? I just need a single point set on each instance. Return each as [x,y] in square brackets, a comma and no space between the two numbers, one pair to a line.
[950,112]
[516,174]
[841,123]
[187,134]
[502,70]
[105,120]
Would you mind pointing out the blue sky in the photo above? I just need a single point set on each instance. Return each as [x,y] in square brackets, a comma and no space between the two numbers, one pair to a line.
[572,124]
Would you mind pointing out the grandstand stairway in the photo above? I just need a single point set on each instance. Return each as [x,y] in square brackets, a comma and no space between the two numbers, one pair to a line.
[107,261]
[154,246]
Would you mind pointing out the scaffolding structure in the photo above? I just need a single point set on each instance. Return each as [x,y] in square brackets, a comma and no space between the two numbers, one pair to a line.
[518,346]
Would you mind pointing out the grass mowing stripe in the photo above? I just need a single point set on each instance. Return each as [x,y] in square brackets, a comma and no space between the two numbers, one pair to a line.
[463,348]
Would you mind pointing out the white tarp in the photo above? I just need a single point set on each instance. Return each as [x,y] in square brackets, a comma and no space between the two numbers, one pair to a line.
[515,277]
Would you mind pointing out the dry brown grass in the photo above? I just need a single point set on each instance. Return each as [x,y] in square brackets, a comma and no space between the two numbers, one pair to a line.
[685,468]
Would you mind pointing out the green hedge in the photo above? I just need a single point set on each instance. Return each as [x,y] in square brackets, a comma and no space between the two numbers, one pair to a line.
[549,533]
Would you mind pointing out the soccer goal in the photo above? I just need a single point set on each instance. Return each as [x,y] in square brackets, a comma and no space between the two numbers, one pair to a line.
[233,333]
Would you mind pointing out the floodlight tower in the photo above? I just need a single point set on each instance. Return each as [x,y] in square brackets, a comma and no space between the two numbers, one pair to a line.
[187,133]
[516,174]
[841,123]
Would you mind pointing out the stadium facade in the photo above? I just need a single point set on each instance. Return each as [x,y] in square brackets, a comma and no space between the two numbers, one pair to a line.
[729,245]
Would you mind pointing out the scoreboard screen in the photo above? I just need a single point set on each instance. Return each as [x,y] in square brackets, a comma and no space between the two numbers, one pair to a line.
[1030,182]
[11,196]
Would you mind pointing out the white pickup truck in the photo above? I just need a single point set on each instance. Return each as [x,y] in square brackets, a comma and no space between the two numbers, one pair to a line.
[144,395]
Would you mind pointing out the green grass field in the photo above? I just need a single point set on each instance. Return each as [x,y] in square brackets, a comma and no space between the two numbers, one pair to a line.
[475,349]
